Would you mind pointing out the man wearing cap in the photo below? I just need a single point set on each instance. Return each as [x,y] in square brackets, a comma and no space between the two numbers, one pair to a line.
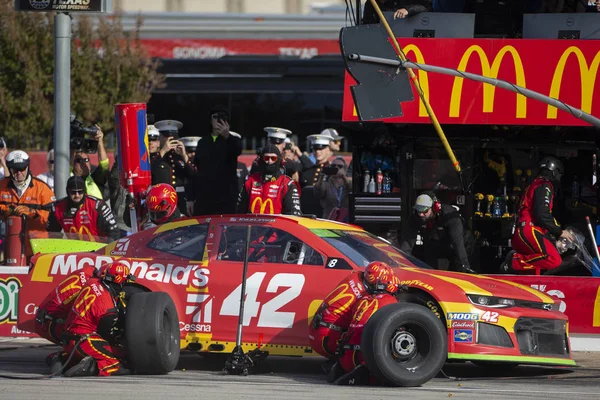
[322,152]
[444,231]
[172,165]
[216,162]
[82,214]
[269,191]
[153,142]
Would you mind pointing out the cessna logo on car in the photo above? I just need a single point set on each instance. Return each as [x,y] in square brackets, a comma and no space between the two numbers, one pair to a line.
[462,316]
[153,271]
[121,247]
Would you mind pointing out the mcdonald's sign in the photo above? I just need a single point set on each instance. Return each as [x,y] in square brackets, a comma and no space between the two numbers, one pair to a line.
[83,232]
[490,71]
[259,206]
[588,79]
[568,73]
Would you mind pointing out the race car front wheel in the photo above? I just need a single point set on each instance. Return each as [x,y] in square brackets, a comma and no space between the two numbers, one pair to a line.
[152,333]
[404,344]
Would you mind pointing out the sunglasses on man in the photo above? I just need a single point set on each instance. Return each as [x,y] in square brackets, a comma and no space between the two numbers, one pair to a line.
[75,192]
[319,147]
[276,140]
[270,158]
[82,160]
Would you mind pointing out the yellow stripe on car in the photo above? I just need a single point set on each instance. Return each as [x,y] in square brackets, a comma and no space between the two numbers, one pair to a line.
[543,298]
[466,286]
[176,224]
[517,359]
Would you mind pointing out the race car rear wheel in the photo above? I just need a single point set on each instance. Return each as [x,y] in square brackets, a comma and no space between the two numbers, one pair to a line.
[404,344]
[152,333]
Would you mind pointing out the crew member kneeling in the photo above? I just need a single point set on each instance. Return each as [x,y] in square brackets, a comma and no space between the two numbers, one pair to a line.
[333,317]
[52,313]
[536,232]
[91,322]
[269,191]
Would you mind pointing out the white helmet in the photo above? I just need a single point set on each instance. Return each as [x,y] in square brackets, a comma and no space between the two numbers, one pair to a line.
[17,159]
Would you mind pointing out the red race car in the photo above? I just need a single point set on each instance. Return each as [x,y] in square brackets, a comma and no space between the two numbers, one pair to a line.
[293,263]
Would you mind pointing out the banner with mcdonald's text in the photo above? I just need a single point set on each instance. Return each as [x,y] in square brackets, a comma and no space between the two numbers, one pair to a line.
[562,69]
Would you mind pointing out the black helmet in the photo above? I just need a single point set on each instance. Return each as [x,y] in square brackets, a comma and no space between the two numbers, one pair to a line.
[553,165]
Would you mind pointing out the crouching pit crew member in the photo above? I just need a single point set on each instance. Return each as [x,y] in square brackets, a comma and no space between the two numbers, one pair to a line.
[536,232]
[91,322]
[445,234]
[270,191]
[52,313]
[351,365]
[333,317]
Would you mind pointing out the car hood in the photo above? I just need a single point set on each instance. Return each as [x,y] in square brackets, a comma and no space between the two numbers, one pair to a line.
[473,284]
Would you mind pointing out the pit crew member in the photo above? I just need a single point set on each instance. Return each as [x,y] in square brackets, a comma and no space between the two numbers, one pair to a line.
[536,232]
[91,321]
[83,214]
[351,362]
[445,233]
[270,191]
[161,204]
[332,319]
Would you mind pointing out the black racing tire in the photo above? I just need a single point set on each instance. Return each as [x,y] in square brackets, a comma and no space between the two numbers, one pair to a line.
[152,333]
[404,344]
[131,289]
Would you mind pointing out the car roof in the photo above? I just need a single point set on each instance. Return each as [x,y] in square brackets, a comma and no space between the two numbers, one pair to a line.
[317,223]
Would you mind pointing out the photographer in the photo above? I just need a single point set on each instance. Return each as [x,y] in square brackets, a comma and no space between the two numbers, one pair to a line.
[333,189]
[173,165]
[81,148]
[216,162]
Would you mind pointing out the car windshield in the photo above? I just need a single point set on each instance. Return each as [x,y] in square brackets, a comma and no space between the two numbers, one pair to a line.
[363,248]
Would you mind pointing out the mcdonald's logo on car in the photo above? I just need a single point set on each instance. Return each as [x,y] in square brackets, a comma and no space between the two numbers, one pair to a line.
[259,206]
[490,71]
[83,232]
[588,79]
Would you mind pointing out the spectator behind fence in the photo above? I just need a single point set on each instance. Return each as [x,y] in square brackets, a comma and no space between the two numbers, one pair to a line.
[48,176]
[401,8]
[216,163]
[333,190]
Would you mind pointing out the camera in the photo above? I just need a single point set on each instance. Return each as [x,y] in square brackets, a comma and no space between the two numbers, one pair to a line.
[331,170]
[78,140]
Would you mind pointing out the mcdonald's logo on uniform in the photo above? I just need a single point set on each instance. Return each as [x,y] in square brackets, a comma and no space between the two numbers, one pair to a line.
[259,206]
[490,71]
[588,79]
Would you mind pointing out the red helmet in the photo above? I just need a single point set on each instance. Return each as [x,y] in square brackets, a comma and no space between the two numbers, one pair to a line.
[161,201]
[378,276]
[116,272]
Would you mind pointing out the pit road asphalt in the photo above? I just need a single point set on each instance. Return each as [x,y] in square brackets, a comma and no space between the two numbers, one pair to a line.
[198,377]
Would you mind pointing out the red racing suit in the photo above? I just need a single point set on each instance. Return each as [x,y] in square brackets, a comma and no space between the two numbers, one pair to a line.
[92,316]
[278,195]
[361,312]
[52,313]
[536,229]
[93,217]
[335,313]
